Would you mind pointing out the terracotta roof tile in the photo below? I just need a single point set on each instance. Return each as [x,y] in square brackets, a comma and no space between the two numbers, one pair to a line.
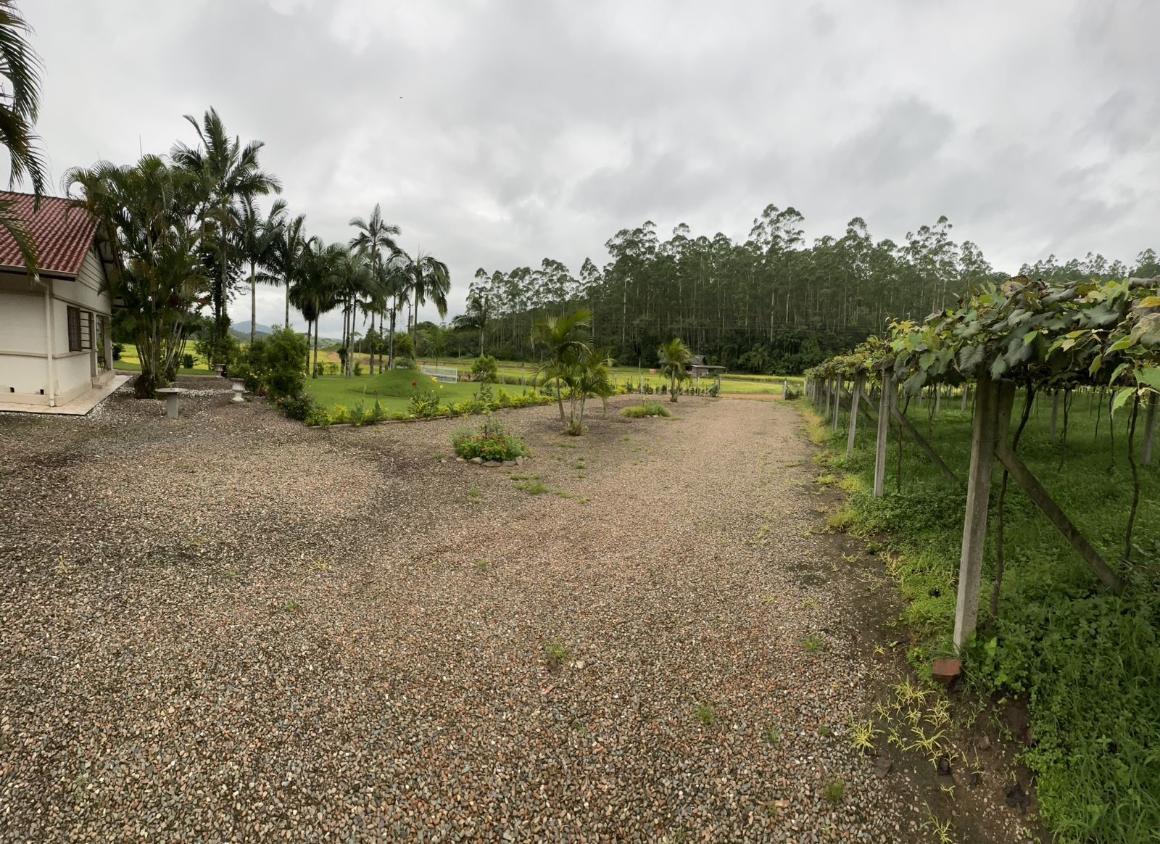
[63,233]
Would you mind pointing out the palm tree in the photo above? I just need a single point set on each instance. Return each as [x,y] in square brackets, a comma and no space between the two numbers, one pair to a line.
[290,250]
[19,106]
[593,378]
[427,277]
[674,358]
[563,341]
[257,243]
[315,291]
[476,315]
[374,238]
[395,280]
[229,172]
[149,208]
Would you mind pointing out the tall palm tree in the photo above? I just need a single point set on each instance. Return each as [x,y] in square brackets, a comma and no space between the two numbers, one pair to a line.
[395,279]
[428,277]
[674,357]
[257,243]
[290,250]
[229,172]
[19,106]
[476,314]
[315,290]
[375,238]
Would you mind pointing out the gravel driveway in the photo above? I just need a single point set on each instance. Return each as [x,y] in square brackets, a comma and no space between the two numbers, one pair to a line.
[230,626]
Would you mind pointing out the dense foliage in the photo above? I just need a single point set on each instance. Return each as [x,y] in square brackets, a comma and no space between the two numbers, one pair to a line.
[1087,658]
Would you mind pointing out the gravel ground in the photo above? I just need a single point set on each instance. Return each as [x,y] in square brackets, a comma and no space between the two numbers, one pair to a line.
[229,626]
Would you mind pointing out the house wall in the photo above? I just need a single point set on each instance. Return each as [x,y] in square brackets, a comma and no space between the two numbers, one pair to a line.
[23,364]
[24,335]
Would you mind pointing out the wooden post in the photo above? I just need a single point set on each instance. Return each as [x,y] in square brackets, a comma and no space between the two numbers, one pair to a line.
[983,435]
[837,402]
[1054,415]
[1149,432]
[938,391]
[852,424]
[883,435]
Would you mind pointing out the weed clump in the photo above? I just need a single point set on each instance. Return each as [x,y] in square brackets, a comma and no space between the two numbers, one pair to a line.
[645,411]
[490,442]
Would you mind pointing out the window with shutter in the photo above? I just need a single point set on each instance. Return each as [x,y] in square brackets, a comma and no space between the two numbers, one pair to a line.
[74,329]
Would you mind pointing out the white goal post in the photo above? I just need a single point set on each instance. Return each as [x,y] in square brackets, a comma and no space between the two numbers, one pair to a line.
[445,374]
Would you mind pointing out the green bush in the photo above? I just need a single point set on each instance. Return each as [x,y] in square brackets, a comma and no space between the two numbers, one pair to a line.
[641,411]
[490,442]
[187,361]
[299,407]
[275,366]
[118,348]
[485,369]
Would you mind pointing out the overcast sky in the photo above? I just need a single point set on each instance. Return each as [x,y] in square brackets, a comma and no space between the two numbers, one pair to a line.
[497,133]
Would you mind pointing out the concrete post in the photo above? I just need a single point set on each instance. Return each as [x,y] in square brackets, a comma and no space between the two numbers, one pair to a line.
[50,332]
[837,402]
[883,435]
[990,401]
[852,424]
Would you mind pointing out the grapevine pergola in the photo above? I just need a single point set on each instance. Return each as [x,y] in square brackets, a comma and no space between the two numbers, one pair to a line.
[1025,334]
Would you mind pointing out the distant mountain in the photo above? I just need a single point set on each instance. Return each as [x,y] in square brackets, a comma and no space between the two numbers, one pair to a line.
[241,330]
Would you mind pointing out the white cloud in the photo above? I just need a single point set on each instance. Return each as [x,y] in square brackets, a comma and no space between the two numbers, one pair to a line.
[497,133]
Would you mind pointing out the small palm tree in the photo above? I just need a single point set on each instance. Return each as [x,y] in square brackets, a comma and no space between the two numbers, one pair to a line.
[674,361]
[593,380]
[563,340]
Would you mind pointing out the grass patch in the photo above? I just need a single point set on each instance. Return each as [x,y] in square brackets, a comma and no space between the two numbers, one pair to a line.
[645,411]
[705,714]
[532,486]
[556,654]
[835,791]
[814,643]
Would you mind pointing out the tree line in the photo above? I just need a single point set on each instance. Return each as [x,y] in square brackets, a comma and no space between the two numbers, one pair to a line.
[772,303]
[192,233]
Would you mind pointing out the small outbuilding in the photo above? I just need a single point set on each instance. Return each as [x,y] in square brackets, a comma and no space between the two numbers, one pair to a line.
[699,369]
[56,345]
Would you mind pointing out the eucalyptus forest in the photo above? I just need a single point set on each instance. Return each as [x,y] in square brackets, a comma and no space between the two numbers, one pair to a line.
[770,304]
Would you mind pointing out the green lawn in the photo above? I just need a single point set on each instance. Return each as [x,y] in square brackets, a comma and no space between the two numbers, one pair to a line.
[1086,661]
[392,390]
[737,384]
[131,362]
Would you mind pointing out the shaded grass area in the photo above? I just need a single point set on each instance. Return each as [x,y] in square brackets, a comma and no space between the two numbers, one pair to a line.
[1086,661]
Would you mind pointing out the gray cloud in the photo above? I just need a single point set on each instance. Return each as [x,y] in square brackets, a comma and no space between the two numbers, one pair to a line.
[497,133]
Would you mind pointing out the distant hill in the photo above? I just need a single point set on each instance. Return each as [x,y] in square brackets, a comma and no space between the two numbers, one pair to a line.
[241,330]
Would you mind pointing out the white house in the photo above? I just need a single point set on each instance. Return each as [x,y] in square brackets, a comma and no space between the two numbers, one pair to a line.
[55,338]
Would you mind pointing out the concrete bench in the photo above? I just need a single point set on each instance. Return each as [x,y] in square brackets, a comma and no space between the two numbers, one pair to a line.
[171,395]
